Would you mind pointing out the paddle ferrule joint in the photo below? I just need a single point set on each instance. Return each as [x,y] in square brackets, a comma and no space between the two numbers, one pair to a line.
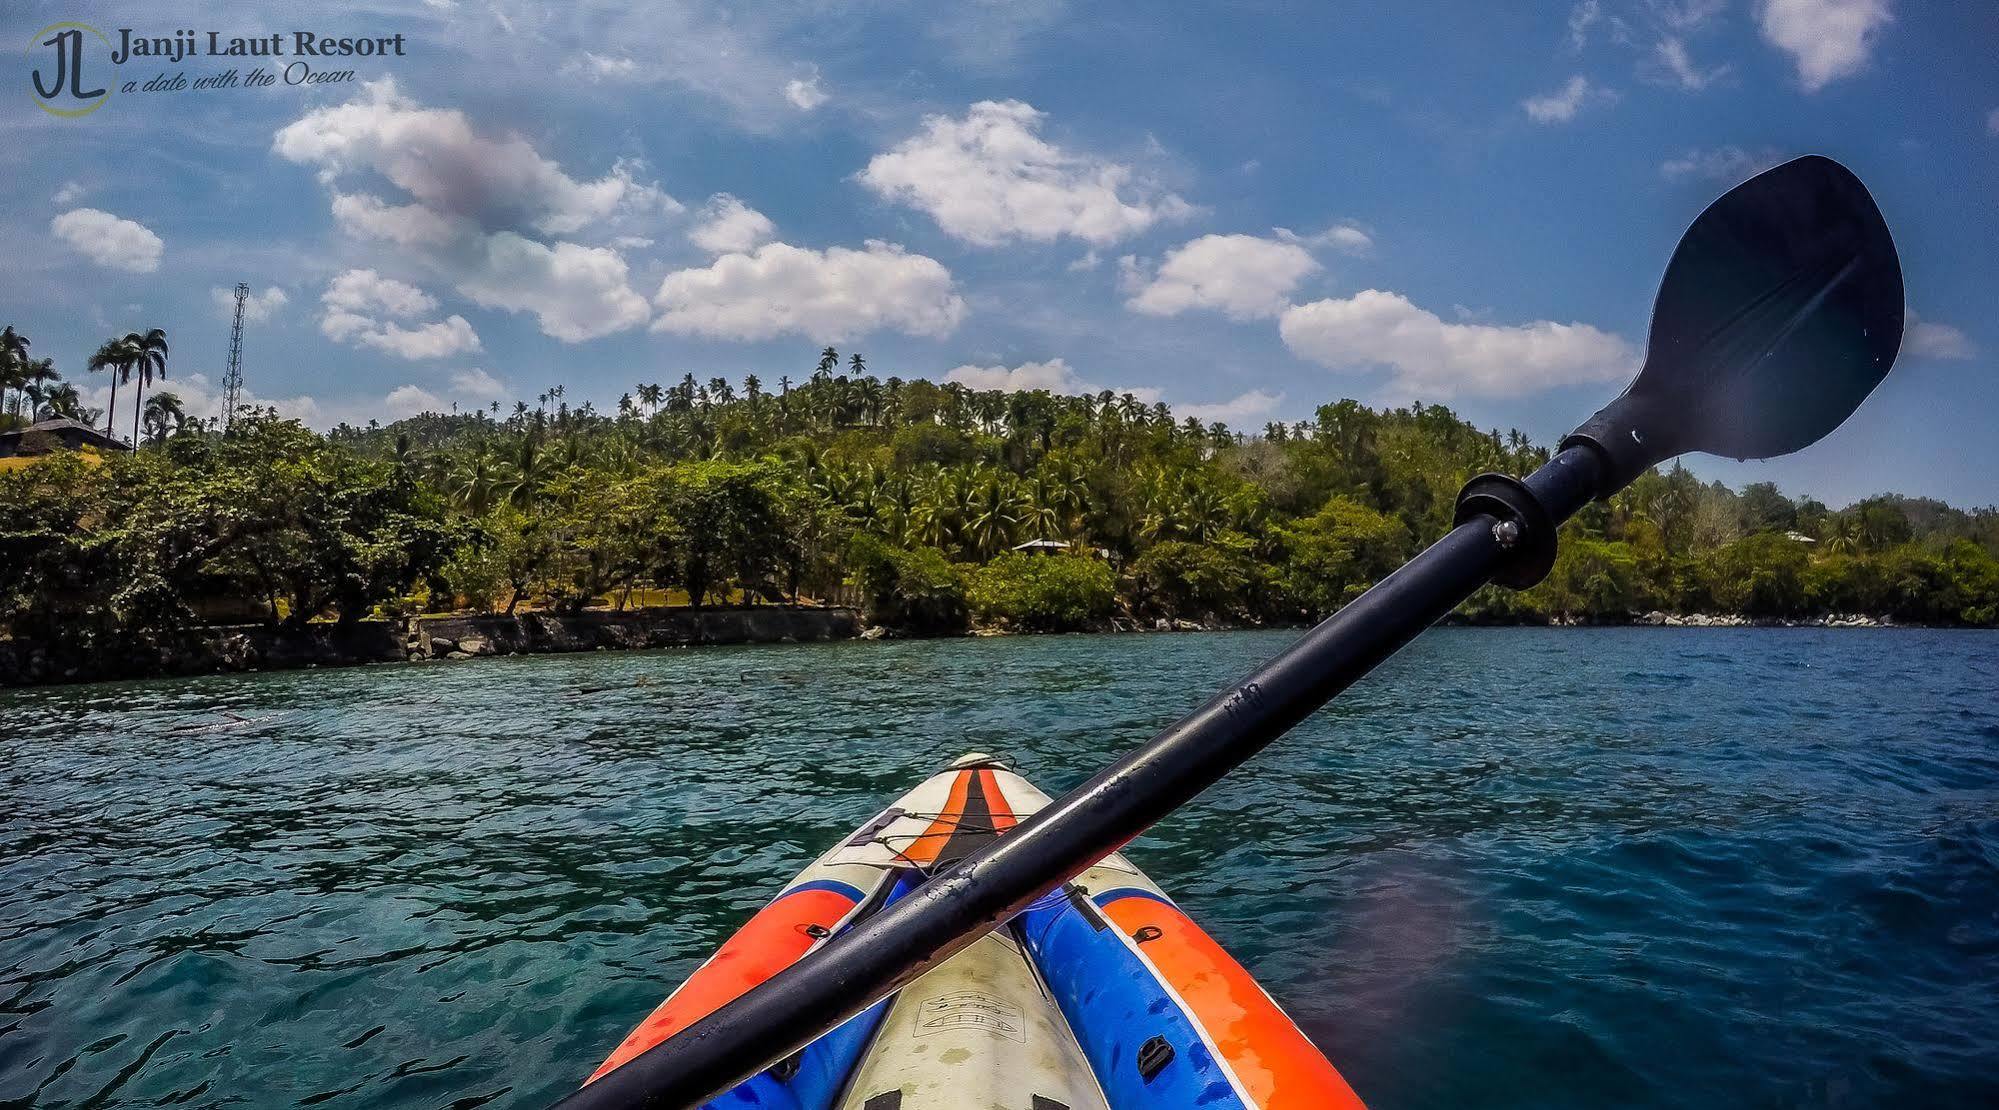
[1527,515]
[1522,528]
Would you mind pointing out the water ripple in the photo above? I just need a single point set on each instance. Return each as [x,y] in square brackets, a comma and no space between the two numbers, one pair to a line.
[1602,868]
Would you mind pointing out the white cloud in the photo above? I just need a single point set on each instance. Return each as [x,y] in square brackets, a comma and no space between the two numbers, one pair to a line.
[576,292]
[804,93]
[1241,276]
[434,155]
[603,67]
[1722,163]
[1924,339]
[356,299]
[1562,105]
[1246,406]
[408,225]
[475,384]
[1674,66]
[202,399]
[1058,377]
[833,294]
[1829,39]
[477,204]
[70,192]
[1992,122]
[728,226]
[368,291]
[109,240]
[1346,237]
[257,307]
[1435,359]
[989,178]
[411,400]
[1581,18]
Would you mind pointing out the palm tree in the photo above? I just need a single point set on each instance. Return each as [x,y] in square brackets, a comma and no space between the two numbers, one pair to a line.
[993,517]
[166,416]
[829,361]
[35,382]
[473,481]
[64,401]
[148,355]
[115,358]
[13,361]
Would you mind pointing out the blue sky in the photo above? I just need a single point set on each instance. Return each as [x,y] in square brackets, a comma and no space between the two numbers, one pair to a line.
[1243,209]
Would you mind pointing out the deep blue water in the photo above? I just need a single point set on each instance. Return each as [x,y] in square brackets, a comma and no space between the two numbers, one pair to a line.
[1647,867]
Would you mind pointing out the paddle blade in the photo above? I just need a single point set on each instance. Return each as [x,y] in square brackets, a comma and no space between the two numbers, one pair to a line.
[1780,311]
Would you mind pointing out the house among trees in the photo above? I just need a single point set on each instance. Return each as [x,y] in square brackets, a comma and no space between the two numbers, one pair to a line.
[1042,547]
[58,434]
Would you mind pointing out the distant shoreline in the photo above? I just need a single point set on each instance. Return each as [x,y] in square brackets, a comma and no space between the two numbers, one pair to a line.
[237,649]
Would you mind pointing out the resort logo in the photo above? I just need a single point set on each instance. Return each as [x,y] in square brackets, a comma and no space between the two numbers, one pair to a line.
[74,67]
[65,92]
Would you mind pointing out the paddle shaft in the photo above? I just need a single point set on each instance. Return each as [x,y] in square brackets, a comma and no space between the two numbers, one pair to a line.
[948,913]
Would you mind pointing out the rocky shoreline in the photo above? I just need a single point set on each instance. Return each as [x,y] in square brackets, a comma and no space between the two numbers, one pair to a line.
[239,648]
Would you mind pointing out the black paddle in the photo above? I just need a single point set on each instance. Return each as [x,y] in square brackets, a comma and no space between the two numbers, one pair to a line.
[1780,311]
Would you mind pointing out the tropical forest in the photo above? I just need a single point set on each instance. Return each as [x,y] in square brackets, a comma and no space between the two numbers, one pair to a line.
[933,507]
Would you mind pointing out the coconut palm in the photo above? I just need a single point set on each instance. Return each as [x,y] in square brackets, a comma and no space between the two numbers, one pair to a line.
[63,401]
[13,362]
[993,517]
[165,415]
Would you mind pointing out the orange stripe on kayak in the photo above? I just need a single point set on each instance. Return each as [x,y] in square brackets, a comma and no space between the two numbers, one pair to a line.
[766,944]
[1002,811]
[932,840]
[1278,1066]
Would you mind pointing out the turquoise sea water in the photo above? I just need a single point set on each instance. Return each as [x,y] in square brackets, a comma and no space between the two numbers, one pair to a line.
[1645,867]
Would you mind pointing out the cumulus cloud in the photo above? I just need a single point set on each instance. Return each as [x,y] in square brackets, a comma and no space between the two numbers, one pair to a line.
[1242,276]
[1058,377]
[1926,339]
[109,240]
[486,213]
[356,300]
[804,93]
[1432,358]
[1247,406]
[70,192]
[477,385]
[1564,103]
[1828,39]
[409,225]
[412,400]
[1722,163]
[471,388]
[989,177]
[728,226]
[202,398]
[257,307]
[435,156]
[833,294]
[576,292]
[1054,375]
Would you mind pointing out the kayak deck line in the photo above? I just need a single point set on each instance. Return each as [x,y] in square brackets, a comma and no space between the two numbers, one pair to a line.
[1103,995]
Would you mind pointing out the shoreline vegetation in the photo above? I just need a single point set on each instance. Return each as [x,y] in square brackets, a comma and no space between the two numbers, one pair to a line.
[934,509]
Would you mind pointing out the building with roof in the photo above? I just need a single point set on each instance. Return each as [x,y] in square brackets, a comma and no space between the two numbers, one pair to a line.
[57,434]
